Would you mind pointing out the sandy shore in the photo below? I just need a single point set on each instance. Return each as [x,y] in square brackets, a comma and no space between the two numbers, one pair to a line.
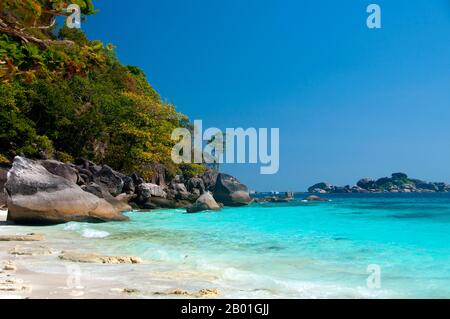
[34,269]
[45,276]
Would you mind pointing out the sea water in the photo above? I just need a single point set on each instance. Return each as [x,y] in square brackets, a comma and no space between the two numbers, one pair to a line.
[297,249]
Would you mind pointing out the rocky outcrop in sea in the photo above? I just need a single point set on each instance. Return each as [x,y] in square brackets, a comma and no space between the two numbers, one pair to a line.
[397,183]
[49,192]
[204,202]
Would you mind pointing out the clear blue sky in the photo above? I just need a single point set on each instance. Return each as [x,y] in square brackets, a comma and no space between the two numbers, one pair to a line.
[350,102]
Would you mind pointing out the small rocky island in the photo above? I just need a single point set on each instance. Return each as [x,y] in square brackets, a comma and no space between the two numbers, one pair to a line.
[397,183]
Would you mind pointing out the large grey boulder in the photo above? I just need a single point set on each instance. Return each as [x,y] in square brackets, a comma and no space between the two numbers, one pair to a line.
[83,163]
[146,191]
[61,169]
[314,198]
[180,191]
[128,185]
[110,180]
[100,192]
[209,178]
[95,189]
[230,192]
[36,196]
[203,203]
[152,196]
[137,179]
[196,184]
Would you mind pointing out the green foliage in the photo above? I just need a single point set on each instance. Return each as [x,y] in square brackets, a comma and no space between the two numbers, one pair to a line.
[73,98]
[32,12]
[73,34]
[191,170]
[18,134]
[64,157]
[399,180]
[3,160]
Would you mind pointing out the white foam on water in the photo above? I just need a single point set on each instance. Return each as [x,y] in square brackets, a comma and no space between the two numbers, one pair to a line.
[72,226]
[85,232]
[93,233]
[253,282]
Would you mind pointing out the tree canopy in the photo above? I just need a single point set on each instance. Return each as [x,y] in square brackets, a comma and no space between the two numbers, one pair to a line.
[65,96]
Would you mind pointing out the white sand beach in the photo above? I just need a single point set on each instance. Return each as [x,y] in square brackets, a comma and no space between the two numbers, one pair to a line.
[31,267]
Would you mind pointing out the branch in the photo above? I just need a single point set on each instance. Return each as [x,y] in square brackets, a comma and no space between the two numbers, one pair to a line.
[25,37]
[41,27]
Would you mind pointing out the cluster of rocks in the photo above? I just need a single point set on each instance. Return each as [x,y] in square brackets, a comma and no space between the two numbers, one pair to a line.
[397,183]
[49,191]
[314,198]
[327,188]
[278,198]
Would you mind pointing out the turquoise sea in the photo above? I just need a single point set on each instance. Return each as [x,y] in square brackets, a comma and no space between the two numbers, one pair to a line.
[298,250]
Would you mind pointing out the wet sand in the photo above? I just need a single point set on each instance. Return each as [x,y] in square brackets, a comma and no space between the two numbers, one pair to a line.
[34,269]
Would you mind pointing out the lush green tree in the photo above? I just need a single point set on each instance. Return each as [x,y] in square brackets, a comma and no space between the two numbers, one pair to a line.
[63,95]
[18,134]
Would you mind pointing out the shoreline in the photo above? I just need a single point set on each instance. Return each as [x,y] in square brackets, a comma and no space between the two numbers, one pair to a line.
[176,270]
[42,274]
[34,269]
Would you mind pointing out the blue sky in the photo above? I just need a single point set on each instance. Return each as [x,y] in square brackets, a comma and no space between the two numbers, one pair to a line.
[350,102]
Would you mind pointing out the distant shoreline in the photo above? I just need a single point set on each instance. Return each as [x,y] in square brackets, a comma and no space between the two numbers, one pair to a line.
[397,183]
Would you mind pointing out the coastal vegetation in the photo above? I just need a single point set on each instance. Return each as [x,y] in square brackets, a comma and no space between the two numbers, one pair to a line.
[64,96]
[89,135]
